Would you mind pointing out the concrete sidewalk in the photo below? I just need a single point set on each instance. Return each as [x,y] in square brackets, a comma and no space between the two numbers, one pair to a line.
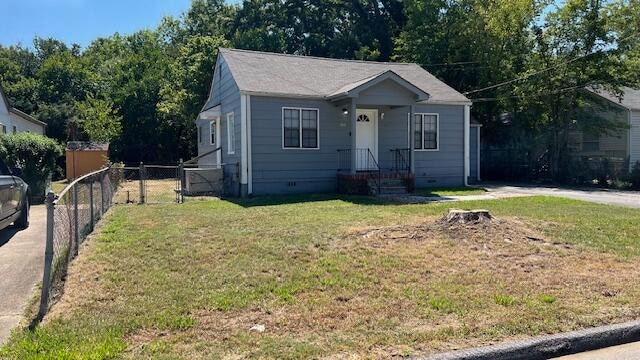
[629,351]
[21,266]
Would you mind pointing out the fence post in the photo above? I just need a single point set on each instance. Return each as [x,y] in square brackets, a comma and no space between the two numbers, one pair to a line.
[76,221]
[48,256]
[91,205]
[102,177]
[142,175]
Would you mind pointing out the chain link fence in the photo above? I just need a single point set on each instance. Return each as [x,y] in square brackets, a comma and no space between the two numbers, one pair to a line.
[71,216]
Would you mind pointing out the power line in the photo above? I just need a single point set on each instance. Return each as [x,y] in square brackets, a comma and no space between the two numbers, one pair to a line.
[542,71]
[452,64]
[559,91]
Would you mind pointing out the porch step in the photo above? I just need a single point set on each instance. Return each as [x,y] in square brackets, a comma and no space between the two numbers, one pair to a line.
[393,190]
[393,182]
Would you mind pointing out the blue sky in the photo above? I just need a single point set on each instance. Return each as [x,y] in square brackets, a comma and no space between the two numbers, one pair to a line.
[80,21]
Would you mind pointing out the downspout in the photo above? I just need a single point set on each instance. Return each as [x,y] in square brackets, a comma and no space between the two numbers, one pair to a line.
[249,140]
[467,125]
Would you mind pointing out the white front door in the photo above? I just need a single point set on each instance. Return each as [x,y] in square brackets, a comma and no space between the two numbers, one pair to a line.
[366,138]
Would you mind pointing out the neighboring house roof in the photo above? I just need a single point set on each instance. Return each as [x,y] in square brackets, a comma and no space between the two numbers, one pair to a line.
[18,112]
[87,146]
[630,100]
[27,117]
[307,76]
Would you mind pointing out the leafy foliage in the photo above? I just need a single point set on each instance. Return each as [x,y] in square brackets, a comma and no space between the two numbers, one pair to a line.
[156,81]
[35,154]
[97,120]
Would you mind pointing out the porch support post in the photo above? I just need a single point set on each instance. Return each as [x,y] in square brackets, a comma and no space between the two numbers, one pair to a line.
[353,153]
[412,142]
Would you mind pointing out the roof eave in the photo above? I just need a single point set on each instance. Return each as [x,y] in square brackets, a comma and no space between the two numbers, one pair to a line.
[27,117]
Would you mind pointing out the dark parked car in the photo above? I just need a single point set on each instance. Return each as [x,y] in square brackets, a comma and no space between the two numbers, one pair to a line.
[14,199]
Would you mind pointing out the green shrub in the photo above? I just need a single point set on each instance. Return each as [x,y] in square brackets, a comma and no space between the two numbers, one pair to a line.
[35,154]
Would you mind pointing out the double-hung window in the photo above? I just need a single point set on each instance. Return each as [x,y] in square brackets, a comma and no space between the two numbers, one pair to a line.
[231,134]
[300,128]
[426,128]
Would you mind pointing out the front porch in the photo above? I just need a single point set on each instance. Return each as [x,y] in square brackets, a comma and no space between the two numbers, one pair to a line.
[380,158]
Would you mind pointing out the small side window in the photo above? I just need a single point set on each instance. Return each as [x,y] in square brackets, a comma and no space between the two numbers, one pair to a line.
[231,134]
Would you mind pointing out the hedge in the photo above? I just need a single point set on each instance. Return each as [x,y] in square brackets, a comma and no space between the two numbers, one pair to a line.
[35,154]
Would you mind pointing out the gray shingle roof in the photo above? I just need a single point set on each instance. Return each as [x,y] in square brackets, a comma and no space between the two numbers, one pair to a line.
[293,75]
[630,99]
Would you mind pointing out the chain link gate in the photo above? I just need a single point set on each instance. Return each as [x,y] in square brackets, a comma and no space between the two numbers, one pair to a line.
[149,184]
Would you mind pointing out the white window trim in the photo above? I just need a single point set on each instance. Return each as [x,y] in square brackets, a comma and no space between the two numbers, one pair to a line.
[211,123]
[437,131]
[231,143]
[300,122]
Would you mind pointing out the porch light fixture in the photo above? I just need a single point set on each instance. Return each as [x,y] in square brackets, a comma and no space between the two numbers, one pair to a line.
[345,111]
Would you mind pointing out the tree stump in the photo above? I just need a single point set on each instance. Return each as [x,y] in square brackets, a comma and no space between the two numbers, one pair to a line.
[456,216]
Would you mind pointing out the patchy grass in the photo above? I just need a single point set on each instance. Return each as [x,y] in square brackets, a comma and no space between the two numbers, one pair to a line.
[459,191]
[337,277]
[58,186]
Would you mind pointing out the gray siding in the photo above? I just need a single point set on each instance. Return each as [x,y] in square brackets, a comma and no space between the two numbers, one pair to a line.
[444,167]
[277,170]
[393,133]
[387,92]
[224,91]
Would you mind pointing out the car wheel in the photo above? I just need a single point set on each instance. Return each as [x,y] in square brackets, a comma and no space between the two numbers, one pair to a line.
[23,221]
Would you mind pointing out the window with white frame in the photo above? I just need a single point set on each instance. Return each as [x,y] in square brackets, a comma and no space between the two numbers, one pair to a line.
[426,131]
[300,128]
[199,134]
[231,134]
[3,128]
[212,132]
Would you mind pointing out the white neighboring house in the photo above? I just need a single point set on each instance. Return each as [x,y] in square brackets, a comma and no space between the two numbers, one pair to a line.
[14,121]
[623,145]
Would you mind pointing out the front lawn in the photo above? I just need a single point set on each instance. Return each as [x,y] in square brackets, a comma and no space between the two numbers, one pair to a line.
[338,278]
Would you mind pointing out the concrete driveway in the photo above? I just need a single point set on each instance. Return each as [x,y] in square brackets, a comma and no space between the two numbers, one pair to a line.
[601,196]
[21,266]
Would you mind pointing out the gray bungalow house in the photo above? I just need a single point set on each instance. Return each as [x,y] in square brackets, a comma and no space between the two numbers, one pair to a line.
[281,123]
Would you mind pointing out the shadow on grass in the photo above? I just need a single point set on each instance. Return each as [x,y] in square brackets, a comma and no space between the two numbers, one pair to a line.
[271,200]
